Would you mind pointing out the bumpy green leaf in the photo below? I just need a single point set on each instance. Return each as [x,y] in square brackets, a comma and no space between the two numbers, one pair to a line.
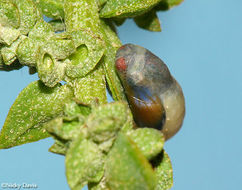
[149,141]
[8,35]
[84,33]
[91,88]
[50,71]
[75,111]
[163,171]
[85,11]
[41,31]
[35,105]
[84,162]
[79,67]
[27,52]
[64,130]
[9,14]
[127,168]
[28,14]
[112,44]
[129,124]
[9,52]
[148,21]
[52,8]
[126,8]
[59,48]
[106,120]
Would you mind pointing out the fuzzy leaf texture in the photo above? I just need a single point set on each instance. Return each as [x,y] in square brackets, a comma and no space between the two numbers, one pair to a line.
[35,105]
[126,8]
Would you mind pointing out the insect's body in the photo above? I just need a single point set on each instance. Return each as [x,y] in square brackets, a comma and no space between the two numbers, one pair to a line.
[155,98]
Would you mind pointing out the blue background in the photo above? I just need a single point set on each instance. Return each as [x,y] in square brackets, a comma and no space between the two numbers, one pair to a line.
[201,43]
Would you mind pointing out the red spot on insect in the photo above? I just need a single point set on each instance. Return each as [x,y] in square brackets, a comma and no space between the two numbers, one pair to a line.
[120,64]
[122,47]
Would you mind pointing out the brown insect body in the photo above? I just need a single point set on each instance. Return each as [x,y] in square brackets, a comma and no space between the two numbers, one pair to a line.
[155,98]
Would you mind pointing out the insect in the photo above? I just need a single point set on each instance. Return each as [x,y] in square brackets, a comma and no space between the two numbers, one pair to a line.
[155,97]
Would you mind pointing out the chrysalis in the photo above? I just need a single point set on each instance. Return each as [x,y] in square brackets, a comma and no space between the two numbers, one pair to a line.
[155,98]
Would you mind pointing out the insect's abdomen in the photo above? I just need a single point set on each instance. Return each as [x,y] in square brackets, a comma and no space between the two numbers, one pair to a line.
[155,98]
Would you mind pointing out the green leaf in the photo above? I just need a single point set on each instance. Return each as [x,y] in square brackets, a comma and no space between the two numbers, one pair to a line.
[106,120]
[51,8]
[95,48]
[42,31]
[9,14]
[62,129]
[27,52]
[58,25]
[167,4]
[85,11]
[59,48]
[9,52]
[91,89]
[129,124]
[50,70]
[149,141]
[59,147]
[8,35]
[126,8]
[163,170]
[148,21]
[35,105]
[84,162]
[127,168]
[75,111]
[112,45]
[102,185]
[28,14]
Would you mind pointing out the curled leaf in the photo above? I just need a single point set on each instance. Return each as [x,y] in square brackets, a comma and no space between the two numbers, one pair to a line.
[95,52]
[126,8]
[9,52]
[27,52]
[50,70]
[112,44]
[59,147]
[59,48]
[149,141]
[148,21]
[52,8]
